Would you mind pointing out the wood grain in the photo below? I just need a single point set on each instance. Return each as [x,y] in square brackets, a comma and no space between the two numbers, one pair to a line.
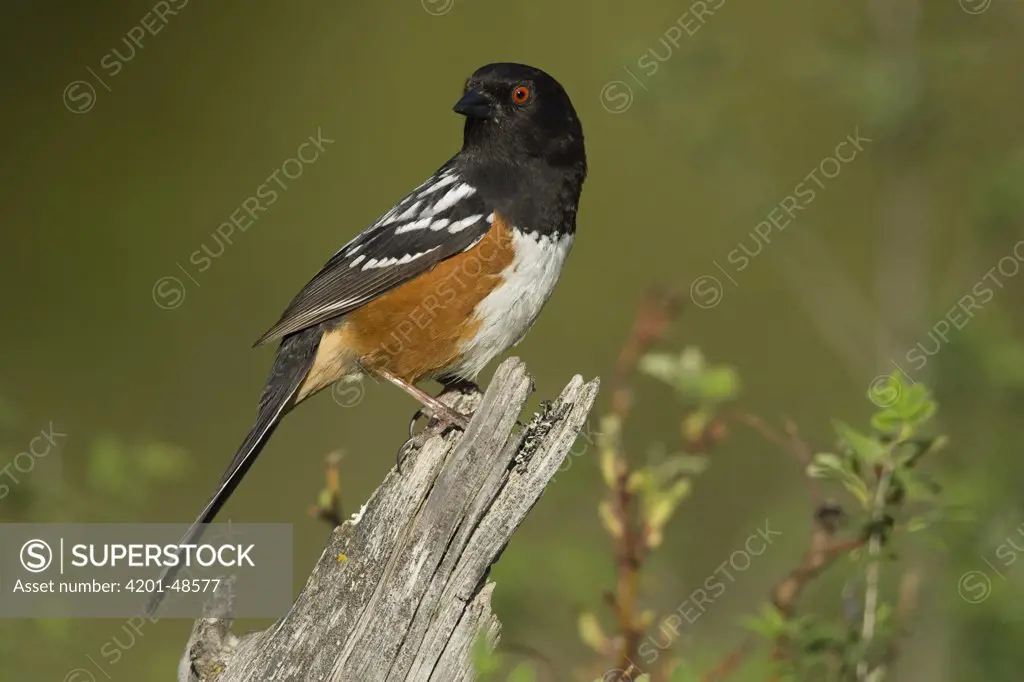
[412,593]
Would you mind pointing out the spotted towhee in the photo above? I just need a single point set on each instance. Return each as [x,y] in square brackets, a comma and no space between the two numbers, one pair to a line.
[453,275]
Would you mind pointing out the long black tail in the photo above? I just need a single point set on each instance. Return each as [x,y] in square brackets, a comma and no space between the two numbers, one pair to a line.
[294,359]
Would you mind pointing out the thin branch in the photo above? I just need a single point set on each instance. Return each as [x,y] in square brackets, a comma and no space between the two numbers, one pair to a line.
[792,443]
[824,548]
[654,315]
[873,570]
[730,663]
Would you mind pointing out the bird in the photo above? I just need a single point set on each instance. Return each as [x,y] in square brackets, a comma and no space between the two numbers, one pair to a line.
[453,275]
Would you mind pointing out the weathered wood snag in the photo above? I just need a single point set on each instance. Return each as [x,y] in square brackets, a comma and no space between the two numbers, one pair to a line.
[410,596]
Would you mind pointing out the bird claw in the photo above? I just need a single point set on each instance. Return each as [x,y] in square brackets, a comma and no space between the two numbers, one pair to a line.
[419,414]
[451,418]
[440,421]
[437,426]
[402,453]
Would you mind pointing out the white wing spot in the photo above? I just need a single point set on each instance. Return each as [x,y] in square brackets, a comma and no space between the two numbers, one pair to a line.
[410,212]
[414,225]
[357,261]
[388,262]
[460,225]
[452,197]
[443,182]
[490,219]
[424,183]
[387,217]
[410,257]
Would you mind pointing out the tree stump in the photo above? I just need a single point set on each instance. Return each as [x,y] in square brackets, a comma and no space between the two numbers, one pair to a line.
[400,592]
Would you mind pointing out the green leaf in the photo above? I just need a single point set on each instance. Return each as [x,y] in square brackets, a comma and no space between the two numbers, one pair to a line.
[886,421]
[923,413]
[858,489]
[769,623]
[658,513]
[609,450]
[719,384]
[691,376]
[869,450]
[918,486]
[659,510]
[609,519]
[827,461]
[886,393]
[915,406]
[757,625]
[679,490]
[913,400]
[902,405]
[641,481]
[773,616]
[324,499]
[681,464]
[918,523]
[830,466]
[660,366]
[591,633]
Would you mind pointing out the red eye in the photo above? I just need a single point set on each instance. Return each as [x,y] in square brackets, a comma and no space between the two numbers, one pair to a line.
[521,95]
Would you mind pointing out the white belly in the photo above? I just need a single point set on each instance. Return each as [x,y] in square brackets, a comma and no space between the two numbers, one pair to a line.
[507,313]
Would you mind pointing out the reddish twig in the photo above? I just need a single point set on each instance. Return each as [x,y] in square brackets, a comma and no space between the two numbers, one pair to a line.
[730,663]
[792,443]
[652,320]
[655,313]
[824,548]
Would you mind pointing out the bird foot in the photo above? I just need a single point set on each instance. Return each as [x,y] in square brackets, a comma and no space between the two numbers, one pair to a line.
[447,418]
[462,386]
[443,417]
[436,427]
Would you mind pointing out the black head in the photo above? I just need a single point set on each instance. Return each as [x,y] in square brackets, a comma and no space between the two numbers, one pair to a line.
[518,113]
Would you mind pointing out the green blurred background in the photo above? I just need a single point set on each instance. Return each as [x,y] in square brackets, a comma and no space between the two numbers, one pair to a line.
[107,191]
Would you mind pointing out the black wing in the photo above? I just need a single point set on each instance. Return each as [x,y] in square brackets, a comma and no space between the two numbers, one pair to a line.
[439,219]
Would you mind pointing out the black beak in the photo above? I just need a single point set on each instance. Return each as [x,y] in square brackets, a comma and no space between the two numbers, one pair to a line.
[474,105]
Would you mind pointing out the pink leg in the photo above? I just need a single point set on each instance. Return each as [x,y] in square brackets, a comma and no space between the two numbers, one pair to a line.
[441,411]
